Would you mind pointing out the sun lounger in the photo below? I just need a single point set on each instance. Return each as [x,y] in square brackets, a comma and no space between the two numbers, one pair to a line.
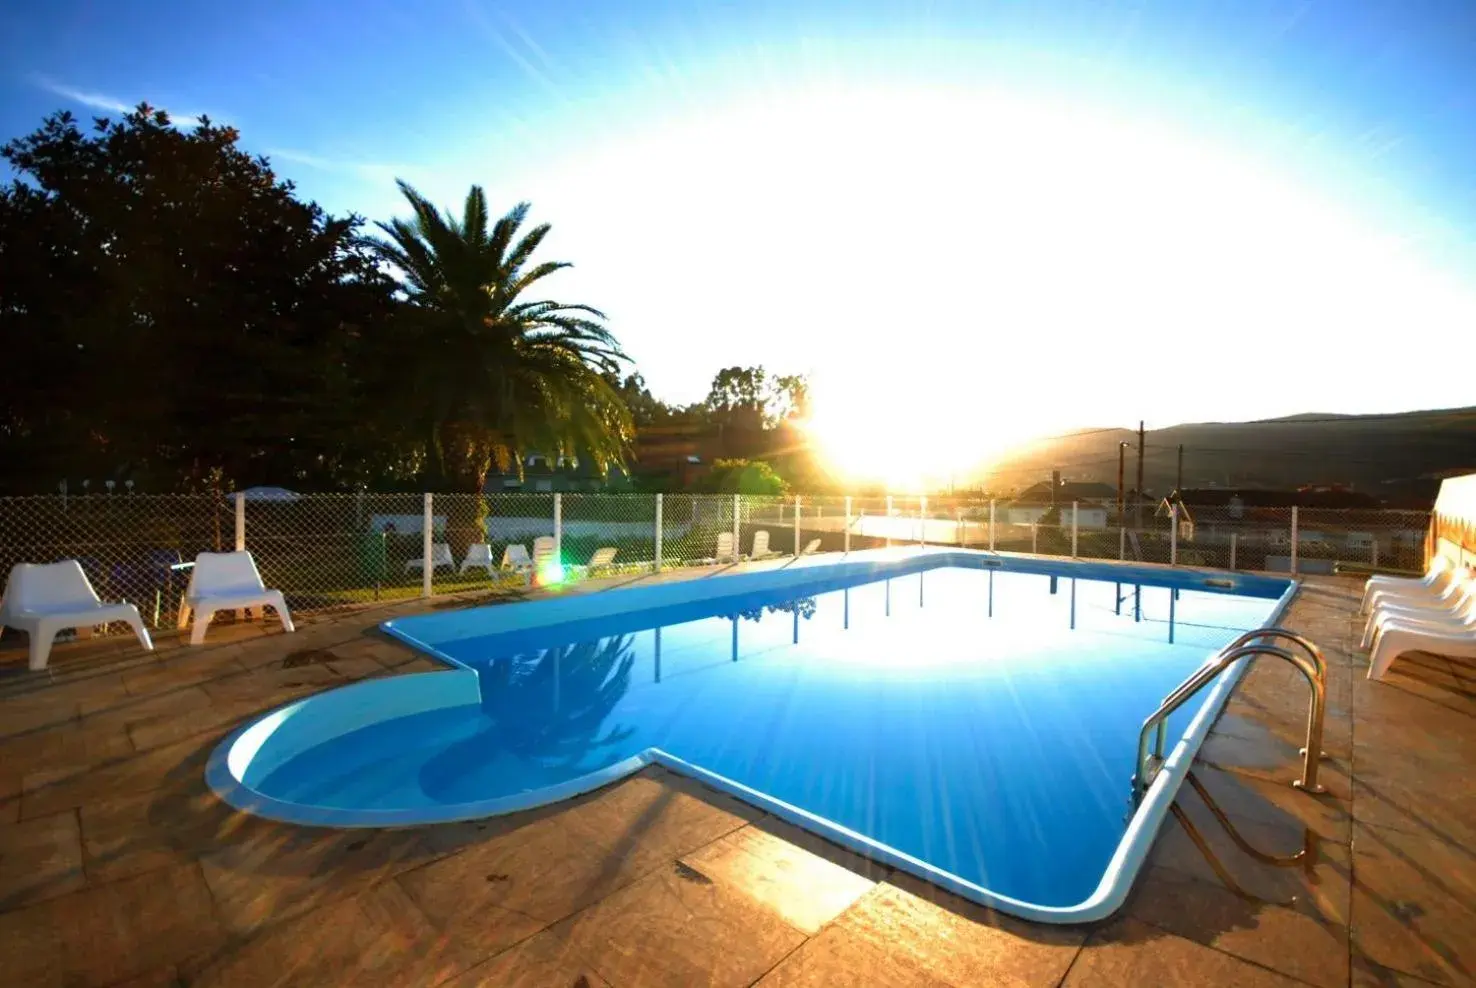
[761,548]
[1457,619]
[1435,579]
[1396,638]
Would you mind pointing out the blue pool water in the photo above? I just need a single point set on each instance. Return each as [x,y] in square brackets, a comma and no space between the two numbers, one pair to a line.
[983,723]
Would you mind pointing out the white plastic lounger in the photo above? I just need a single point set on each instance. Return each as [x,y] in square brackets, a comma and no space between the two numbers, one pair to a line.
[227,581]
[479,554]
[726,552]
[811,547]
[1397,638]
[602,559]
[1453,610]
[1449,589]
[1456,620]
[543,551]
[761,548]
[440,556]
[42,599]
[1435,579]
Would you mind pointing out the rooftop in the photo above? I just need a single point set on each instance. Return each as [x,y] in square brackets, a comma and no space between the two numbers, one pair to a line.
[118,866]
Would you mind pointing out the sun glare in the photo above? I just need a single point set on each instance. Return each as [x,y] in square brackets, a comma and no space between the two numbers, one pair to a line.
[960,270]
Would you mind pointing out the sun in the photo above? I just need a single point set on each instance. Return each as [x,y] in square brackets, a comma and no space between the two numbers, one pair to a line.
[909,438]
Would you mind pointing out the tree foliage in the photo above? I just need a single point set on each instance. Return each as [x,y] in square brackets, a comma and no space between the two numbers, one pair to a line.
[486,372]
[752,398]
[173,313]
[743,477]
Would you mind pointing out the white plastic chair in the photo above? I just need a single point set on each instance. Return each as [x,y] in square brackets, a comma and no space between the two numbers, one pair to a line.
[227,581]
[726,552]
[543,551]
[515,557]
[1436,579]
[42,599]
[440,556]
[761,548]
[479,554]
[811,547]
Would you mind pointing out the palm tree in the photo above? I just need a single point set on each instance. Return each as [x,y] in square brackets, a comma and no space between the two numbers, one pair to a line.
[493,374]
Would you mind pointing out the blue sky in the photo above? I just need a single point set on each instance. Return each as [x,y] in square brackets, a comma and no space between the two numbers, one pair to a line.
[918,195]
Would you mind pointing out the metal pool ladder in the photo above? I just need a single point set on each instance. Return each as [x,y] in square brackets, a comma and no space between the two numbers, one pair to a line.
[1312,665]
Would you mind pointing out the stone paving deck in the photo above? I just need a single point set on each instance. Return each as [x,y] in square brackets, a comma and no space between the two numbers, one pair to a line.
[119,867]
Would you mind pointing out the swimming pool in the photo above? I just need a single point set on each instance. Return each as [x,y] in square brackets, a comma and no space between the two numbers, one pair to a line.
[968,717]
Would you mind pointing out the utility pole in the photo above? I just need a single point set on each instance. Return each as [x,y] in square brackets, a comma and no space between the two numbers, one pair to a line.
[1121,494]
[1179,484]
[1138,507]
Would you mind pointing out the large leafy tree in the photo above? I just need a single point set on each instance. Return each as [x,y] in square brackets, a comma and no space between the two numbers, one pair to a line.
[487,372]
[172,313]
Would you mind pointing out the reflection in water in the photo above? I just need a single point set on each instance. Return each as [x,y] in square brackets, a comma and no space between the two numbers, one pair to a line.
[584,682]
[800,606]
[547,708]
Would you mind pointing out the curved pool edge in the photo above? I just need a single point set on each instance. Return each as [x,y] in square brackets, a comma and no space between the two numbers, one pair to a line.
[1110,894]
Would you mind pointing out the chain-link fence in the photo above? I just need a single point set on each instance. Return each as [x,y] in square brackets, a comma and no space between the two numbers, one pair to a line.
[335,550]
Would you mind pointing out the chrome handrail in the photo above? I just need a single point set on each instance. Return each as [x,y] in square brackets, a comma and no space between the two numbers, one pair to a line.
[1192,685]
[1311,668]
[1306,644]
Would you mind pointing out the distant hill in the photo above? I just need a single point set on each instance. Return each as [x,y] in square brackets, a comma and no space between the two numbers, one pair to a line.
[1398,458]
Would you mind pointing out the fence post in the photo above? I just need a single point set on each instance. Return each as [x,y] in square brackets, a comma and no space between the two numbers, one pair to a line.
[1233,536]
[656,562]
[559,527]
[1174,534]
[796,524]
[427,538]
[991,524]
[887,528]
[848,523]
[922,519]
[737,533]
[1034,537]
[1073,530]
[958,529]
[1294,541]
[1122,541]
[1374,561]
[240,520]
